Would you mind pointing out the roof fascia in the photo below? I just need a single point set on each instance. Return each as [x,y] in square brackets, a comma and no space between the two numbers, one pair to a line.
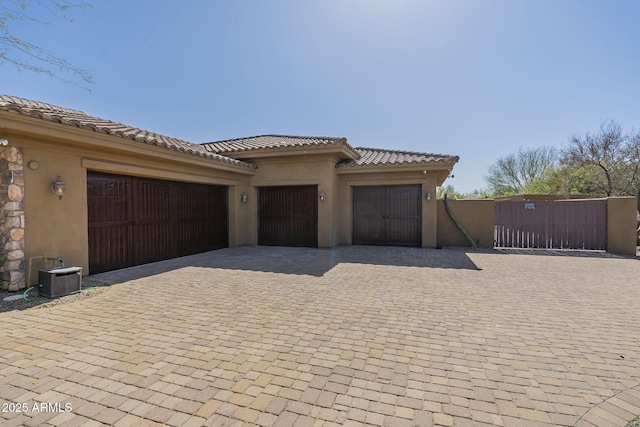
[441,170]
[336,149]
[12,123]
[389,168]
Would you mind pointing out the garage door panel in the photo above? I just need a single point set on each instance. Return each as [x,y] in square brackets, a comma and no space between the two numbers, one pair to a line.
[107,199]
[135,220]
[156,205]
[403,232]
[403,202]
[186,234]
[387,215]
[274,232]
[213,236]
[152,242]
[303,232]
[368,231]
[107,248]
[288,216]
[367,202]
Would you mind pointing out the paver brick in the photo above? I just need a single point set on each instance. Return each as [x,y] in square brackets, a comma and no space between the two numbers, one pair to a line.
[304,336]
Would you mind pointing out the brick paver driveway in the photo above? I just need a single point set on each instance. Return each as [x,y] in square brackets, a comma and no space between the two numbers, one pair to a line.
[351,336]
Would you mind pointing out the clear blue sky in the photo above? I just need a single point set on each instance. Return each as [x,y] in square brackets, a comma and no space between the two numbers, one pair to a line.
[477,79]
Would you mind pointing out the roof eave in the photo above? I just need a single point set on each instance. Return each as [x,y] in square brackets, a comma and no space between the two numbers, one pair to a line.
[339,150]
[413,166]
[13,123]
[440,169]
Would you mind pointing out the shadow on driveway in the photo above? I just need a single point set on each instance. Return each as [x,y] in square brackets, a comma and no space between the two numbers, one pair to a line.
[317,262]
[559,252]
[303,261]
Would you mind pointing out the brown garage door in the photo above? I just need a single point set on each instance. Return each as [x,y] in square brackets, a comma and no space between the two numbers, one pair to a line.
[387,215]
[136,220]
[288,216]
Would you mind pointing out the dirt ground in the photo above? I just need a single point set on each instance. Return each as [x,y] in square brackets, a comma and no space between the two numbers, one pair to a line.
[88,291]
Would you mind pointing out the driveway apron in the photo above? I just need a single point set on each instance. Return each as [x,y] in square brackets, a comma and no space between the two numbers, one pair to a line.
[350,336]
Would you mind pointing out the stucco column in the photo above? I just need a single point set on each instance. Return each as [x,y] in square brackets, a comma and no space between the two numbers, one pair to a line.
[327,200]
[242,202]
[235,216]
[429,214]
[251,218]
[621,225]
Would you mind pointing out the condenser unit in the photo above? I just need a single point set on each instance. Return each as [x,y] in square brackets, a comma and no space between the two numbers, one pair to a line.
[58,282]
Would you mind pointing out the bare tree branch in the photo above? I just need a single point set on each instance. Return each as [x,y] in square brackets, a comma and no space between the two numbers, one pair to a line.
[28,56]
[612,152]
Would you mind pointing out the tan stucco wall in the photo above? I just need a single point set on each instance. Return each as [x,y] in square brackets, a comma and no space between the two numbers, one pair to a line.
[476,216]
[621,225]
[429,213]
[55,227]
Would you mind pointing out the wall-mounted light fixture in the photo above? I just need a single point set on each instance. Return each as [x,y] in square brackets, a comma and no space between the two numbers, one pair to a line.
[57,187]
[428,195]
[244,197]
[322,196]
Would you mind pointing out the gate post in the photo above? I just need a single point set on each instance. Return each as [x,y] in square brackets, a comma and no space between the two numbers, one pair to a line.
[621,225]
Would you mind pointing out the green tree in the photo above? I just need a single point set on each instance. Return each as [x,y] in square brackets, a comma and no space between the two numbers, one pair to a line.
[530,170]
[27,55]
[452,193]
[606,162]
[449,191]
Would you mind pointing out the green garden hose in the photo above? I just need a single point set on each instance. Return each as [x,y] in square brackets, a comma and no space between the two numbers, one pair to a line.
[31,293]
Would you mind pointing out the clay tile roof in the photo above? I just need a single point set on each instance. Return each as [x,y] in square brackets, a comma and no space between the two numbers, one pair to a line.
[376,156]
[82,120]
[269,142]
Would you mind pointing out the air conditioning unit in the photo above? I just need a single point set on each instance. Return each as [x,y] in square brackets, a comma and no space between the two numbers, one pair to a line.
[58,282]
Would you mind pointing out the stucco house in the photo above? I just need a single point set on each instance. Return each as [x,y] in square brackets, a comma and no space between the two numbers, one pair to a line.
[131,196]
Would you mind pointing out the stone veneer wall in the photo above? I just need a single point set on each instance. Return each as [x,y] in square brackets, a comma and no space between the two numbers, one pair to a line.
[12,262]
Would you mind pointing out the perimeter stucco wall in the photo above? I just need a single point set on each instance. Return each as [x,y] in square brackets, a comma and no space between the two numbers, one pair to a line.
[476,216]
[621,225]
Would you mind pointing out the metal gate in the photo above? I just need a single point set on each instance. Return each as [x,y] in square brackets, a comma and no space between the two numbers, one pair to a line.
[562,224]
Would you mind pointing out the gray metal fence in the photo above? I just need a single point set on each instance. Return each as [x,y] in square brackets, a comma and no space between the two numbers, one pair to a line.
[562,224]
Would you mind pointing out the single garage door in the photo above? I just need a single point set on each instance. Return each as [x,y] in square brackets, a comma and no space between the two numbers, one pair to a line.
[136,220]
[288,216]
[387,215]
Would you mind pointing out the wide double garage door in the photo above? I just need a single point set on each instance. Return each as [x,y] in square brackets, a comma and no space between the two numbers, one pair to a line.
[388,215]
[135,220]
